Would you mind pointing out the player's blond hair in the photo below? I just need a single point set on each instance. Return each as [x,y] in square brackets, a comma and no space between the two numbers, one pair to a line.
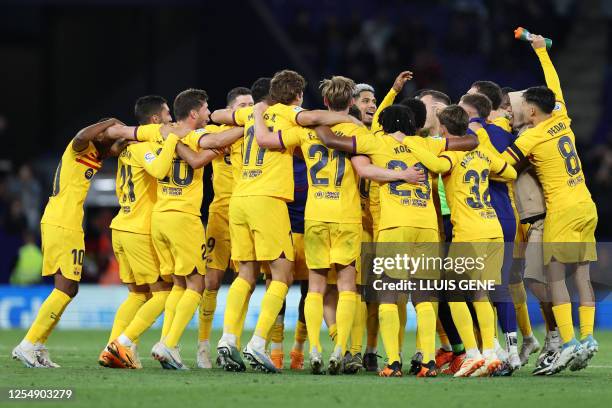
[338,91]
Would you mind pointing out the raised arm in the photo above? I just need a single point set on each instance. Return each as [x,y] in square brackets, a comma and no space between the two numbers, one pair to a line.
[159,166]
[431,161]
[195,159]
[550,74]
[365,169]
[88,134]
[221,139]
[397,87]
[265,137]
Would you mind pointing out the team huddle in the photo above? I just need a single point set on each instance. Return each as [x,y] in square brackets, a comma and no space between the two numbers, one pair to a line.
[296,194]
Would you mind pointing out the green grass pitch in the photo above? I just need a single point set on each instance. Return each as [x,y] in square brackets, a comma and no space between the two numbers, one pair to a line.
[94,386]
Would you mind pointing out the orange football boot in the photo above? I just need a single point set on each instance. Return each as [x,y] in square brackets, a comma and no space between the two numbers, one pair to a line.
[297,359]
[443,357]
[122,353]
[392,370]
[278,358]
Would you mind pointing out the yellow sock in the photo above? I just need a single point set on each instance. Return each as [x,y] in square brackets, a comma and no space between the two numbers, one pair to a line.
[185,309]
[358,325]
[277,332]
[146,315]
[236,297]
[372,326]
[345,313]
[403,318]
[519,296]
[389,328]
[239,327]
[301,334]
[464,324]
[486,322]
[426,326]
[587,320]
[313,311]
[48,315]
[126,313]
[333,333]
[207,312]
[45,336]
[563,316]
[271,305]
[170,308]
[444,341]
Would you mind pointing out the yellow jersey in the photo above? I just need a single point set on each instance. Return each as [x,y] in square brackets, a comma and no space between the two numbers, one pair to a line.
[266,172]
[551,148]
[138,168]
[332,185]
[223,175]
[467,194]
[401,203]
[503,122]
[70,186]
[182,188]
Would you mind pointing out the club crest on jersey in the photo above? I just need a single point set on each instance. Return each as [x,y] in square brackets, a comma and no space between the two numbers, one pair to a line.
[557,106]
[89,173]
[149,157]
[298,108]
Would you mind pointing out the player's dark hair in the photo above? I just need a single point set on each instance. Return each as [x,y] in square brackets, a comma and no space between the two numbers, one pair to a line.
[147,106]
[188,100]
[480,102]
[236,92]
[505,97]
[436,95]
[260,89]
[418,108]
[491,90]
[507,89]
[355,112]
[542,97]
[455,119]
[397,117]
[286,86]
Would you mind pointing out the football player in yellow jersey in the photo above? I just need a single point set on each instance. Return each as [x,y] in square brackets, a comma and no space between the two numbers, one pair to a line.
[62,235]
[176,229]
[333,217]
[139,165]
[474,221]
[217,230]
[261,194]
[571,215]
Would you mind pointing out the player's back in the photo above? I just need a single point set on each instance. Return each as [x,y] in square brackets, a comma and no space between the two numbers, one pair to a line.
[136,189]
[223,173]
[71,183]
[468,196]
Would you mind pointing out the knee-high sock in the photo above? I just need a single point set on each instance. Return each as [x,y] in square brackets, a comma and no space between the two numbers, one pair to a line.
[403,319]
[345,313]
[49,312]
[185,309]
[146,315]
[126,312]
[519,297]
[372,326]
[563,316]
[426,326]
[505,308]
[463,322]
[240,323]
[170,308]
[389,330]
[47,333]
[358,325]
[587,320]
[207,312]
[486,322]
[277,333]
[236,298]
[271,305]
[313,311]
[301,335]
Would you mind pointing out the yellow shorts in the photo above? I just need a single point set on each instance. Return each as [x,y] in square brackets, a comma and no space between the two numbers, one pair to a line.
[477,260]
[569,235]
[63,250]
[218,240]
[300,270]
[414,242]
[328,243]
[180,242]
[137,259]
[260,229]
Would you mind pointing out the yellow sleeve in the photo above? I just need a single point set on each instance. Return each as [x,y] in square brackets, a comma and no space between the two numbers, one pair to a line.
[388,101]
[550,74]
[434,163]
[500,169]
[148,133]
[157,164]
[436,145]
[292,136]
[503,122]
[521,147]
[365,142]
[240,115]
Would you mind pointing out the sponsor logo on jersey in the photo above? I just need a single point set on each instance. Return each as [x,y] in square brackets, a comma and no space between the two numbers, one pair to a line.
[149,157]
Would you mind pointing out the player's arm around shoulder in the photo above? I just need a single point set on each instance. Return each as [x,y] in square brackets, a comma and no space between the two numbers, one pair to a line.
[366,169]
[500,169]
[100,130]
[156,163]
[430,160]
